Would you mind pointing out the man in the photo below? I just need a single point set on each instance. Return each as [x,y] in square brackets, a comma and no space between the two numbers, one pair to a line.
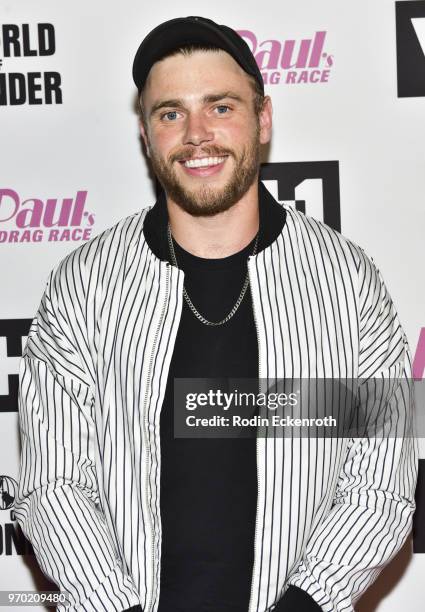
[217,279]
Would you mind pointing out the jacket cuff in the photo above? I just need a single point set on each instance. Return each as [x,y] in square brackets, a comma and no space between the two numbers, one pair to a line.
[297,599]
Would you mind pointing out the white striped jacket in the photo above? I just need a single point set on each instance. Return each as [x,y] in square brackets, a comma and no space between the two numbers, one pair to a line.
[331,512]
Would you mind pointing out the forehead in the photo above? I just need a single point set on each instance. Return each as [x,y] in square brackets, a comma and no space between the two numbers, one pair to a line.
[191,75]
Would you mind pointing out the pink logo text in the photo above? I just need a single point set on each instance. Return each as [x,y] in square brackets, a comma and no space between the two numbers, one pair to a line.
[291,61]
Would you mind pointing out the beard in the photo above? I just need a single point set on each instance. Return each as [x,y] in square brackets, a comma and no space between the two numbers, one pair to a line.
[205,200]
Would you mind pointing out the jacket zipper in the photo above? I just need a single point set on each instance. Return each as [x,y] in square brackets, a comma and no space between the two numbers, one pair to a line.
[256,445]
[148,453]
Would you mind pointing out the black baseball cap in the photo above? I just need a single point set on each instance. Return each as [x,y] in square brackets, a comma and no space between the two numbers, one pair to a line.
[172,34]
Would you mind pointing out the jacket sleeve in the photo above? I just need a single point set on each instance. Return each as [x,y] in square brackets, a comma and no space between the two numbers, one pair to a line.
[57,504]
[371,514]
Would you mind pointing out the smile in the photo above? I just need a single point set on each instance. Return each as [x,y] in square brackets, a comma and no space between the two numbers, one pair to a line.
[203,162]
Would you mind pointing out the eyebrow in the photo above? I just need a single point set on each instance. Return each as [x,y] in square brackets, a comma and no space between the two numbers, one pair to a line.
[208,99]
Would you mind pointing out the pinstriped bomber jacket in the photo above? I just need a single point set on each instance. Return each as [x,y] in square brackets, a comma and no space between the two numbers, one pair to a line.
[331,512]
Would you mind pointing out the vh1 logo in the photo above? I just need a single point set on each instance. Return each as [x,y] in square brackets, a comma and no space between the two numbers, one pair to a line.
[311,187]
[410,37]
[12,334]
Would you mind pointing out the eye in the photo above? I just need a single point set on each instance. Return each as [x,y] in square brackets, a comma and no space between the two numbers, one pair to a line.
[221,106]
[173,113]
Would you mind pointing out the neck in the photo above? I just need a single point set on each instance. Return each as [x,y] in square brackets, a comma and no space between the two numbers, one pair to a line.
[221,235]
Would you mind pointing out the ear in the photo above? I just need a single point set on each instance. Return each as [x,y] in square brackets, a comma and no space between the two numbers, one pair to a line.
[144,136]
[266,120]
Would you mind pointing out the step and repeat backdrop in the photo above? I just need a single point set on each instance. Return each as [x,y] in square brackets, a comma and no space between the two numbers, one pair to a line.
[347,81]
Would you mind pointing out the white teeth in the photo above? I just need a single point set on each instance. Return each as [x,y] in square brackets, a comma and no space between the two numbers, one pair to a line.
[203,162]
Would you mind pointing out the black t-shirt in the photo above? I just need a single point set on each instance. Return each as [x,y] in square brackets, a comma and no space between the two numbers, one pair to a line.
[209,486]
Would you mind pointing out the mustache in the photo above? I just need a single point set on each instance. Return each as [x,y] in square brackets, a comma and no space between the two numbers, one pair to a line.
[211,151]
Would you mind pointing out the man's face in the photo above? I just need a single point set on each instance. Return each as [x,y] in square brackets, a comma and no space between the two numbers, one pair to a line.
[202,134]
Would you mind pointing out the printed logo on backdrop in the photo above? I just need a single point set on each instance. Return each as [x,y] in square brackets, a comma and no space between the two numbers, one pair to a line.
[291,61]
[8,488]
[12,540]
[310,187]
[12,336]
[410,32]
[20,82]
[13,333]
[35,219]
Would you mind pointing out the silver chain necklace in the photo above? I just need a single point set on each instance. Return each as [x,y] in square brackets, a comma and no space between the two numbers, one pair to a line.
[189,301]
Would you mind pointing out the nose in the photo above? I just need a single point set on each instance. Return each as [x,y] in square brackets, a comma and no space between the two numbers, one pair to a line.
[197,130]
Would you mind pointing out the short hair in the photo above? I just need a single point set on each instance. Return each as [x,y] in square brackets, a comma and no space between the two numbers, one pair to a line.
[190,48]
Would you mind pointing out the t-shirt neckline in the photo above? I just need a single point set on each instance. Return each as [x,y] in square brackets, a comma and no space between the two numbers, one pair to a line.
[188,260]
